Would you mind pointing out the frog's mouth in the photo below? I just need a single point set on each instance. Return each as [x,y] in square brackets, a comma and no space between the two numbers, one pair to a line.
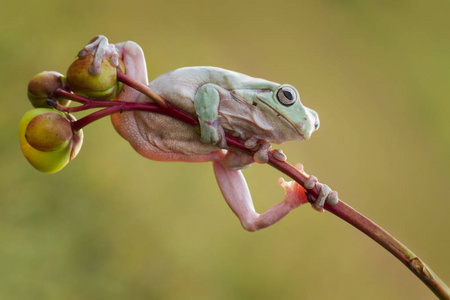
[297,128]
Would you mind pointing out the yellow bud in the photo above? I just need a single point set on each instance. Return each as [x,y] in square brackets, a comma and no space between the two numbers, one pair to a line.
[46,139]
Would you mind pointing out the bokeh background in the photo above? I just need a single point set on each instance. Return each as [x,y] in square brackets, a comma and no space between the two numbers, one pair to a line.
[113,225]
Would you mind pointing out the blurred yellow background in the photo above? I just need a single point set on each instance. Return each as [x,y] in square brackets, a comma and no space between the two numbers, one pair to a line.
[113,225]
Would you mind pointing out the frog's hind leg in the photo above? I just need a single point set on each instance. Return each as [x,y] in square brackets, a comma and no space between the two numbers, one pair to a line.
[235,191]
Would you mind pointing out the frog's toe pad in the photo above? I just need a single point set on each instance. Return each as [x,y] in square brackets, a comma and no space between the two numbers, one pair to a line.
[311,182]
[326,195]
[332,198]
[261,156]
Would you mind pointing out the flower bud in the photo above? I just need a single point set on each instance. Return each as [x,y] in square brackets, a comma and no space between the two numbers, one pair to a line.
[47,140]
[42,86]
[48,132]
[103,86]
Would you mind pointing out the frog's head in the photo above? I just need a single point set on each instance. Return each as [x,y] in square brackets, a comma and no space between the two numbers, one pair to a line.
[285,103]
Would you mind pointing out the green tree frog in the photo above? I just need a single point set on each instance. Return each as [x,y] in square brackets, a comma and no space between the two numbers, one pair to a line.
[224,101]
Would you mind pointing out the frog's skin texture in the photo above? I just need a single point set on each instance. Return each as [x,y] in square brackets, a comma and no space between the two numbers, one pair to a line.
[223,101]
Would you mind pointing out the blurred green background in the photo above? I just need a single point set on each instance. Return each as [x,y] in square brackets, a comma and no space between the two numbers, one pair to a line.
[113,225]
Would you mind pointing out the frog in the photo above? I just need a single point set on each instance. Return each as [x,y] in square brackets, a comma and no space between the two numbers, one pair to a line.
[258,111]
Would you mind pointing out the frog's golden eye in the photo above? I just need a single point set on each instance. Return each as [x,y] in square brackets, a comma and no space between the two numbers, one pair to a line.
[286,95]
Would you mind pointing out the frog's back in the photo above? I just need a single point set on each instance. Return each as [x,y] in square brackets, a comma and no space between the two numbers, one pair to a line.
[180,86]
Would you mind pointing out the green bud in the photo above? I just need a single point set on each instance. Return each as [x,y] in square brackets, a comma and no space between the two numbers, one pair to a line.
[48,132]
[43,85]
[103,86]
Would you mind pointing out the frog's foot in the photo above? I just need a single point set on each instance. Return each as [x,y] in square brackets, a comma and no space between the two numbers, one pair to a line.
[100,48]
[261,155]
[295,194]
[212,133]
[326,195]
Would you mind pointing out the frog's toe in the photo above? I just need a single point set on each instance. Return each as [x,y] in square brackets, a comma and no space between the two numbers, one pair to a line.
[262,155]
[326,195]
[279,155]
[251,142]
[94,45]
[95,68]
[332,198]
[311,182]
[222,143]
[210,138]
[212,133]
[299,167]
[101,49]
[323,194]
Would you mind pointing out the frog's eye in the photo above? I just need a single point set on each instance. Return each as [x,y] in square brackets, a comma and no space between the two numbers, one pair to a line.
[286,95]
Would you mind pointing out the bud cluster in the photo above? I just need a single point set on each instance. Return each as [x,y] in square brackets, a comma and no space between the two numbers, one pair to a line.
[46,134]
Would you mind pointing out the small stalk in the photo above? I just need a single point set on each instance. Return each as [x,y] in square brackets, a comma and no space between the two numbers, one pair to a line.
[141,88]
[71,96]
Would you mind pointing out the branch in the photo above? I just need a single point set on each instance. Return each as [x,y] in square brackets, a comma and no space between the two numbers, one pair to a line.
[341,210]
[376,233]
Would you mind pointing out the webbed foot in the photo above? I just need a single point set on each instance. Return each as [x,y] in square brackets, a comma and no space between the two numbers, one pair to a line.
[100,49]
[295,194]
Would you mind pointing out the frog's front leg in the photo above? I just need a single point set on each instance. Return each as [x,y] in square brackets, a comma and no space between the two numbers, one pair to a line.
[206,105]
[236,193]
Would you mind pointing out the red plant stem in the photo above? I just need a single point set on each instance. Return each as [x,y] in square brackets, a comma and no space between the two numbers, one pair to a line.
[117,106]
[122,106]
[374,231]
[141,88]
[341,210]
[70,96]
[400,251]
